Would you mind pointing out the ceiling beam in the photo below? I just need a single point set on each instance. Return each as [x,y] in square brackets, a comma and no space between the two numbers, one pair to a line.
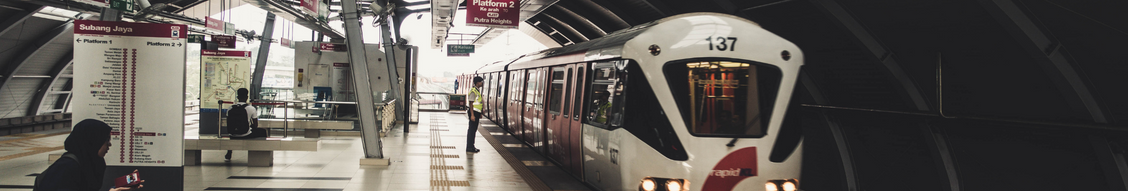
[1047,52]
[871,44]
[282,9]
[31,50]
[46,86]
[572,34]
[10,23]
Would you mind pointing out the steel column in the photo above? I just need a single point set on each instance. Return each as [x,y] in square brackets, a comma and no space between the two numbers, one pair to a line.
[883,55]
[840,142]
[263,55]
[370,133]
[393,73]
[1048,54]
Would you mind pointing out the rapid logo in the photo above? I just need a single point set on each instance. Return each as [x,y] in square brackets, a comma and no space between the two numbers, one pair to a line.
[732,169]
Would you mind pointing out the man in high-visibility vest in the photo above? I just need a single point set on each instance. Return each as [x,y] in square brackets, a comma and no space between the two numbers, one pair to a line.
[474,103]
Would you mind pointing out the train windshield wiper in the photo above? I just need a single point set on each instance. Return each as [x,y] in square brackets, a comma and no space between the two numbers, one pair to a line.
[732,143]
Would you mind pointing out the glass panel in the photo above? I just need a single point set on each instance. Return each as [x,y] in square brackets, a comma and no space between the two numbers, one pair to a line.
[557,92]
[720,98]
[567,91]
[578,103]
[606,96]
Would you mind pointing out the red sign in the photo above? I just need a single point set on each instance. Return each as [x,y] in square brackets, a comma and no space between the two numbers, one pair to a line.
[224,41]
[214,24]
[90,27]
[226,53]
[285,42]
[331,47]
[736,166]
[340,64]
[493,13]
[310,6]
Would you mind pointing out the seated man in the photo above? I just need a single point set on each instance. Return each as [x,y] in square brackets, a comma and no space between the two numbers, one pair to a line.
[242,121]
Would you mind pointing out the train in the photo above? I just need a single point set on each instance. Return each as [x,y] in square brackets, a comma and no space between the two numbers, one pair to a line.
[689,102]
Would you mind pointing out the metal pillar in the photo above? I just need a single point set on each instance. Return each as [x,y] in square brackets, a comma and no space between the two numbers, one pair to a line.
[370,133]
[263,54]
[393,73]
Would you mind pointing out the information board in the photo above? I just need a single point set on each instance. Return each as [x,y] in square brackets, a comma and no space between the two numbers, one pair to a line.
[224,72]
[224,41]
[131,76]
[493,13]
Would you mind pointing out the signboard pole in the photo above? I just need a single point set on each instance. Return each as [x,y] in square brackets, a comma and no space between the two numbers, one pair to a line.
[133,80]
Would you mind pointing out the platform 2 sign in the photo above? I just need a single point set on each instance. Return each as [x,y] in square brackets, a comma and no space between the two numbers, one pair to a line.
[493,13]
[133,79]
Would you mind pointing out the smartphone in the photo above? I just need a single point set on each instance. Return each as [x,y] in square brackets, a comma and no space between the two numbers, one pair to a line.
[129,180]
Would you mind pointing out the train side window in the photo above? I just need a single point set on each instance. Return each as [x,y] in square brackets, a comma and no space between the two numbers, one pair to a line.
[576,112]
[722,98]
[567,91]
[605,108]
[556,92]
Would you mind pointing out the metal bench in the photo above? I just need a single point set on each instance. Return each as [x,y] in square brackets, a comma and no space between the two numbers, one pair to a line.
[260,152]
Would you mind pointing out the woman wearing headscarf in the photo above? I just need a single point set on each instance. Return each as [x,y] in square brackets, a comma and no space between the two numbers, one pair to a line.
[88,141]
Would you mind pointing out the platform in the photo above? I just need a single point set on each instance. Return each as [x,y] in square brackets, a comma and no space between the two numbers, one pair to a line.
[430,157]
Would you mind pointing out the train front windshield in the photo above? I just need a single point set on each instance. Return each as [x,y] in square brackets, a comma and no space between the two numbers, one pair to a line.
[722,98]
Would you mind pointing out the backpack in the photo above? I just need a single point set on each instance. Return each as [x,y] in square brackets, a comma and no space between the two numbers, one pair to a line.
[238,122]
[39,178]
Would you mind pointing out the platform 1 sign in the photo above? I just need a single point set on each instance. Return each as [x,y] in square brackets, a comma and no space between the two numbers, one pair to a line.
[223,73]
[133,79]
[493,13]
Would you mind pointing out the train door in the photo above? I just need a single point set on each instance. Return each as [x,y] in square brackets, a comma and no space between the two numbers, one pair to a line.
[498,103]
[576,94]
[486,89]
[534,109]
[556,134]
[517,104]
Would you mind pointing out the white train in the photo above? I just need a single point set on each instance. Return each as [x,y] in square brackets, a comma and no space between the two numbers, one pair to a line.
[689,102]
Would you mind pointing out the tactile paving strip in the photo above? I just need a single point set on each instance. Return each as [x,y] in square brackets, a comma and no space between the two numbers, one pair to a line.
[438,167]
[450,183]
[442,147]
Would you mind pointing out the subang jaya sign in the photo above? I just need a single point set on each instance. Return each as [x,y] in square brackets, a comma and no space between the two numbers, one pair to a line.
[493,13]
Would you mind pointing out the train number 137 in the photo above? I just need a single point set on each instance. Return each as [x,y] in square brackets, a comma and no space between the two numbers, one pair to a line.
[721,43]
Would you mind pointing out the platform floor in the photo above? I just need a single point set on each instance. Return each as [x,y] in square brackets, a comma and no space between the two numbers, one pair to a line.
[430,157]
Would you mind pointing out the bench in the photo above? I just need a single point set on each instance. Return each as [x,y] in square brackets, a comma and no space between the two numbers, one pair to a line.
[260,152]
[312,127]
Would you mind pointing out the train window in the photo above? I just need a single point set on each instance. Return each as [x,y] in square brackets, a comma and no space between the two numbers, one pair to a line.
[531,87]
[576,105]
[606,95]
[567,91]
[557,91]
[724,99]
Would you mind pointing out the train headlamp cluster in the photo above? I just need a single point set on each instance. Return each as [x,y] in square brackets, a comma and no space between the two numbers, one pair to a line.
[782,185]
[663,184]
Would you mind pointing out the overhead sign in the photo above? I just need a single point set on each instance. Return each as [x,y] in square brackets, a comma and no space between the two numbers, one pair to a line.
[133,80]
[310,6]
[195,38]
[224,41]
[229,28]
[122,5]
[224,72]
[493,13]
[100,3]
[214,24]
[331,47]
[460,48]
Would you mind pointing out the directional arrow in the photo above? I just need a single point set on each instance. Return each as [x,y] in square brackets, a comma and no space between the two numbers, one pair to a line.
[77,40]
[179,44]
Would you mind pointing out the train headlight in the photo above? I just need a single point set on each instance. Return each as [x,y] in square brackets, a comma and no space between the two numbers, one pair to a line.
[785,185]
[673,185]
[663,184]
[647,184]
[788,186]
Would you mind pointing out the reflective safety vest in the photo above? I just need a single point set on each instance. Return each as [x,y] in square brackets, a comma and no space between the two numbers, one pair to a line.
[477,99]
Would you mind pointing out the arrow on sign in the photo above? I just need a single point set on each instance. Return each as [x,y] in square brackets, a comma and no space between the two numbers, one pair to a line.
[179,44]
[78,40]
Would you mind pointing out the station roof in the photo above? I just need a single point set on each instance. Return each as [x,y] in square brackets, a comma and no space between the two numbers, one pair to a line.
[1055,60]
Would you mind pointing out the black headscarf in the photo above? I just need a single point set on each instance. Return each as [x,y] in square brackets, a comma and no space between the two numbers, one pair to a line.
[86,138]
